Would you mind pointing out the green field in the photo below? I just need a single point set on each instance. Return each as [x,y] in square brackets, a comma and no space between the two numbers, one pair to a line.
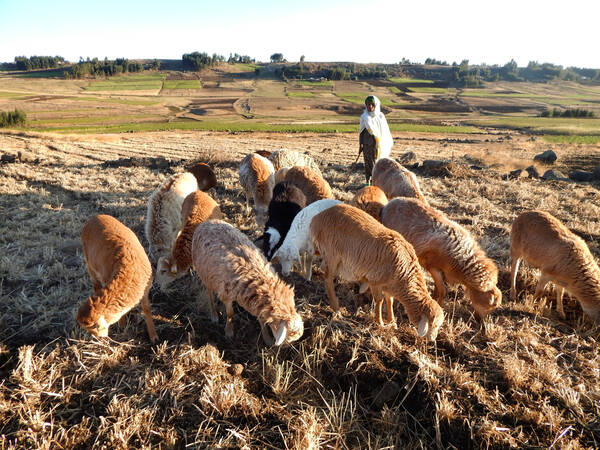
[430,90]
[120,101]
[574,139]
[542,125]
[314,83]
[182,84]
[410,81]
[246,67]
[13,95]
[148,81]
[63,121]
[55,73]
[358,98]
[301,94]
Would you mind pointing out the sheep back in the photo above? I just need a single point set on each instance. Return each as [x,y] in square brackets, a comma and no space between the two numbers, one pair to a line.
[370,199]
[310,182]
[289,158]
[395,180]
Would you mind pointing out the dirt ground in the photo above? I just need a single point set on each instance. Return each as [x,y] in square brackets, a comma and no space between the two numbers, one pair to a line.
[522,378]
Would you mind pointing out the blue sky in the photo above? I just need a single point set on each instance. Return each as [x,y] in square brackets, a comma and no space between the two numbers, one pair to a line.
[369,31]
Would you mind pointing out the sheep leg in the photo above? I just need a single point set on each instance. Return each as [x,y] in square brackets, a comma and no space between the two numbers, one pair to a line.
[247,202]
[123,321]
[308,258]
[539,290]
[265,334]
[560,291]
[330,273]
[214,316]
[389,303]
[229,325]
[440,290]
[378,296]
[514,269]
[145,302]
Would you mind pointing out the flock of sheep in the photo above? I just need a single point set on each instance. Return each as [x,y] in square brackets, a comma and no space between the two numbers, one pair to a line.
[382,239]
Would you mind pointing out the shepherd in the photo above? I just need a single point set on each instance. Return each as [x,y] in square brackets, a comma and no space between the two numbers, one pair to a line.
[375,140]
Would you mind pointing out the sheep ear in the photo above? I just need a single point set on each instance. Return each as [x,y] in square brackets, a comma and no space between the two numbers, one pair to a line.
[423,327]
[174,269]
[363,287]
[281,334]
[275,257]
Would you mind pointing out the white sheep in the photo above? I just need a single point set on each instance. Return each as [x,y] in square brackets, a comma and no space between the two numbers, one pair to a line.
[296,247]
[197,208]
[356,247]
[163,219]
[121,275]
[257,178]
[395,180]
[231,266]
[446,250]
[289,158]
[563,258]
[310,182]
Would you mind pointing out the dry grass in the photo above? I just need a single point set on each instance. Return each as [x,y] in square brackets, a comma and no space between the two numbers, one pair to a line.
[524,378]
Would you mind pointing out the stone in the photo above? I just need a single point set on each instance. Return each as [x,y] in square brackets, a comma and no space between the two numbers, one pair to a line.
[597,173]
[547,157]
[554,175]
[407,158]
[533,172]
[235,369]
[8,158]
[581,175]
[433,164]
[519,173]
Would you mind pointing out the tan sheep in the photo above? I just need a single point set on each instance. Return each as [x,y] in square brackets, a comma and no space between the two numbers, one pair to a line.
[121,275]
[290,158]
[563,258]
[163,219]
[197,207]
[446,250]
[395,180]
[257,179]
[204,174]
[357,247]
[370,199]
[231,266]
[311,183]
[280,174]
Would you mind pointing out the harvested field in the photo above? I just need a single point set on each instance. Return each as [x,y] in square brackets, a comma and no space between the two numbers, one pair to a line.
[522,378]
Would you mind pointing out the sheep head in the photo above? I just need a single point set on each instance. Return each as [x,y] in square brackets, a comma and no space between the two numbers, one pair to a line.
[167,271]
[92,321]
[484,302]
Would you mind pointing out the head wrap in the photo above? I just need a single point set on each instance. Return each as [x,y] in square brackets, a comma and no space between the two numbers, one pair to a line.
[376,124]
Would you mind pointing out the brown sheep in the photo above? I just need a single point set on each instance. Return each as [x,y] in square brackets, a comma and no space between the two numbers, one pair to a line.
[204,175]
[563,258]
[120,272]
[356,247]
[197,208]
[310,182]
[231,266]
[396,181]
[446,250]
[370,199]
[257,179]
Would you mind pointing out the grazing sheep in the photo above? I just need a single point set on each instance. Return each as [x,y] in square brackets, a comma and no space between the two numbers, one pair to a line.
[446,250]
[370,199]
[204,175]
[264,153]
[290,158]
[563,258]
[120,272]
[310,182]
[231,266]
[197,208]
[280,174]
[257,178]
[287,201]
[163,219]
[296,247]
[356,247]
[396,181]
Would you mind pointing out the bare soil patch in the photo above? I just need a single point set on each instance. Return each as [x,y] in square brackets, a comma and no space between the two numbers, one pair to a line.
[523,378]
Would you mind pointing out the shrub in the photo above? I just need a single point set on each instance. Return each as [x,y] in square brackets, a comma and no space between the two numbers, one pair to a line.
[14,118]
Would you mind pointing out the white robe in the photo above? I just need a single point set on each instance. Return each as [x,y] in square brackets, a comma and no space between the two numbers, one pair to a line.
[376,125]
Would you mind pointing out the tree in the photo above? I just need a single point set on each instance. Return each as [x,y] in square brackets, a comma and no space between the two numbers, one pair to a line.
[277,58]
[302,58]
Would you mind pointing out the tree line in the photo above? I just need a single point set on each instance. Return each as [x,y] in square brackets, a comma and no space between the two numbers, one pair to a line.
[96,68]
[12,118]
[38,62]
